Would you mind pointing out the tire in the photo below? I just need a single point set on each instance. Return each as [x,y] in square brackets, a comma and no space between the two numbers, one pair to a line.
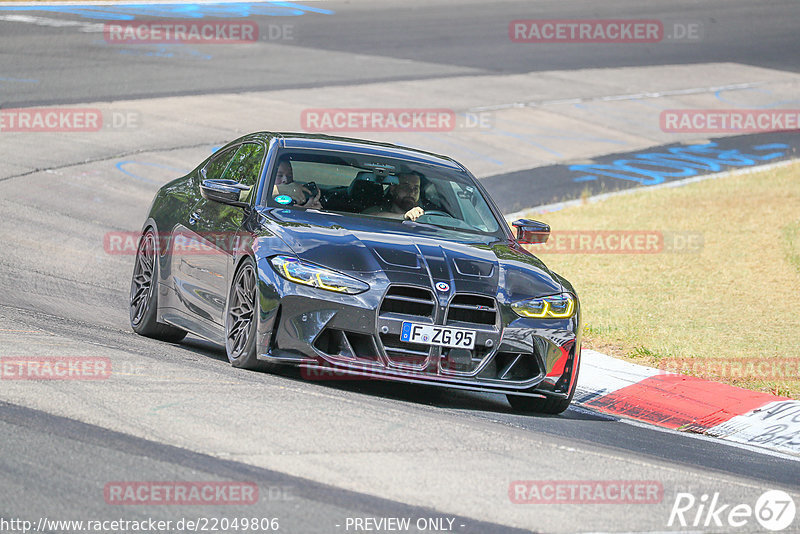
[143,303]
[241,315]
[548,405]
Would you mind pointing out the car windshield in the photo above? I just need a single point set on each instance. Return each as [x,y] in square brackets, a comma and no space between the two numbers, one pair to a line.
[371,186]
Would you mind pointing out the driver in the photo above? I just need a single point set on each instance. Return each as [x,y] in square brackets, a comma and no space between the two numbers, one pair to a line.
[402,199]
[285,185]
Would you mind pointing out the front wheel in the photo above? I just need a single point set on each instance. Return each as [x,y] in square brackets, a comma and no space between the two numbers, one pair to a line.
[144,294]
[548,405]
[241,318]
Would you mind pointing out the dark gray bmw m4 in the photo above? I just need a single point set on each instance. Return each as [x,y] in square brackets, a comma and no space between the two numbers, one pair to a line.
[368,259]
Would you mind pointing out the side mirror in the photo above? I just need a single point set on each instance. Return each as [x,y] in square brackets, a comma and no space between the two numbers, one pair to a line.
[224,191]
[531,232]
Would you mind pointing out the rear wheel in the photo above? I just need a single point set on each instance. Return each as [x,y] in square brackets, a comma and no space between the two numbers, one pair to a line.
[144,294]
[241,318]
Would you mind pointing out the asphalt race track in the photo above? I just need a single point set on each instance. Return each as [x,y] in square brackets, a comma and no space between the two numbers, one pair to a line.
[336,456]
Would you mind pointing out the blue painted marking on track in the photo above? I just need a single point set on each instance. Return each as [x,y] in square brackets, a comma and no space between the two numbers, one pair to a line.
[649,104]
[651,168]
[718,96]
[773,104]
[18,80]
[120,167]
[167,51]
[161,52]
[177,11]
[771,146]
[780,103]
[309,9]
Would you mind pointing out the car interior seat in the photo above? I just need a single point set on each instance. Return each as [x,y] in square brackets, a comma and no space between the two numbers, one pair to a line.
[365,191]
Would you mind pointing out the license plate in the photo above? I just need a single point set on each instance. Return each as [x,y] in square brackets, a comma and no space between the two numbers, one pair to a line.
[444,336]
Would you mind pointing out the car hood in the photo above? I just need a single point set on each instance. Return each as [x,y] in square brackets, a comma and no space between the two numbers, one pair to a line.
[408,253]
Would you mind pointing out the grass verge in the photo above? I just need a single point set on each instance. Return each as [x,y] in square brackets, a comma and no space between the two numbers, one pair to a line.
[727,310]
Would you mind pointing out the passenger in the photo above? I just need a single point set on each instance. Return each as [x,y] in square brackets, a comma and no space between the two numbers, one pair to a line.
[402,200]
[285,185]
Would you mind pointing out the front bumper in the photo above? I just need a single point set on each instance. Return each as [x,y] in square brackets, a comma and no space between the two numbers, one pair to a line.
[334,336]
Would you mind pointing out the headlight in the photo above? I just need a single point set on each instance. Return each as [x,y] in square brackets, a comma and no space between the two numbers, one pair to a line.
[308,274]
[553,307]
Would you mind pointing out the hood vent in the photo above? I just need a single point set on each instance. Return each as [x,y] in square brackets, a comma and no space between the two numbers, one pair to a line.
[397,258]
[468,267]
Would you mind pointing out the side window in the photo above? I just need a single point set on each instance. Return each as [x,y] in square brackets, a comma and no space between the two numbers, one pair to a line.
[245,166]
[215,168]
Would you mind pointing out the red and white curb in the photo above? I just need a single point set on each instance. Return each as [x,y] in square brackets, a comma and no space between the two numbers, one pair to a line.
[687,403]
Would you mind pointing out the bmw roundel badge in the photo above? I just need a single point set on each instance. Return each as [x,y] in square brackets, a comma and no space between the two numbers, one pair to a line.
[443,287]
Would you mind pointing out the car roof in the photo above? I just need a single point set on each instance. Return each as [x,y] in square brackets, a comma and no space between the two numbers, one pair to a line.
[291,140]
